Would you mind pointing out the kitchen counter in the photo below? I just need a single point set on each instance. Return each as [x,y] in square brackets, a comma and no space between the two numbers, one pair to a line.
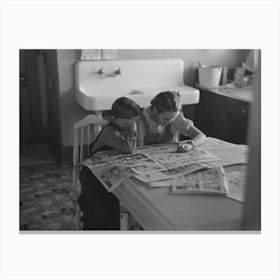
[224,113]
[243,94]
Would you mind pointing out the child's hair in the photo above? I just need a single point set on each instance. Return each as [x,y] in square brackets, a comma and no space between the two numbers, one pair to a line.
[125,108]
[167,101]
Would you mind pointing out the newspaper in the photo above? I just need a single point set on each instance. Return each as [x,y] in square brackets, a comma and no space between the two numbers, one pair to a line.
[177,164]
[157,149]
[149,163]
[113,168]
[173,160]
[208,181]
[161,177]
[236,185]
[229,153]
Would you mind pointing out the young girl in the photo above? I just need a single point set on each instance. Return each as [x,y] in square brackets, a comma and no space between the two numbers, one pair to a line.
[162,122]
[101,208]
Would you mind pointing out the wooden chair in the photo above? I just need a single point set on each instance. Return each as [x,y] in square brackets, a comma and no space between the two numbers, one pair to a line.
[83,130]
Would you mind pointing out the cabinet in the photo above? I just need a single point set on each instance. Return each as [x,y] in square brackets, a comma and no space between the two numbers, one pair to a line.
[222,117]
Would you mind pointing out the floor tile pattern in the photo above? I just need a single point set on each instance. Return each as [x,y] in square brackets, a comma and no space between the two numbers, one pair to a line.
[46,201]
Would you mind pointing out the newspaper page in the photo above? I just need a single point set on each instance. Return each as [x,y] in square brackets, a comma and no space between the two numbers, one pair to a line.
[236,185]
[159,178]
[149,163]
[167,155]
[173,160]
[113,168]
[229,153]
[177,164]
[139,163]
[157,149]
[208,181]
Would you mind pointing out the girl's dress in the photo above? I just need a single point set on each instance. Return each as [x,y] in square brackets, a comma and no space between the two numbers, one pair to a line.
[149,132]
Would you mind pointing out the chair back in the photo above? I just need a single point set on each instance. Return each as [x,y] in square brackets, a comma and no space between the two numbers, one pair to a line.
[83,130]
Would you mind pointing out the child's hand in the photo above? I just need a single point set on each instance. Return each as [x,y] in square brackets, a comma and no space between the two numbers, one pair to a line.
[128,131]
[185,147]
[119,135]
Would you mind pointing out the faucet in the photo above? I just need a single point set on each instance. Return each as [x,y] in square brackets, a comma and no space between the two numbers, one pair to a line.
[116,73]
[101,72]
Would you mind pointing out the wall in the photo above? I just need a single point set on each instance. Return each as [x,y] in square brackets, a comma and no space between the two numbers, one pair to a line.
[229,58]
[71,111]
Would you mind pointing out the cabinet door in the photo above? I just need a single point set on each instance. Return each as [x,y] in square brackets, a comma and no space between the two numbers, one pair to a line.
[221,119]
[204,113]
[239,122]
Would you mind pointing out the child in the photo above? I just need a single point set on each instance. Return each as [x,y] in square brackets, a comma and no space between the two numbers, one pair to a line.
[101,208]
[163,121]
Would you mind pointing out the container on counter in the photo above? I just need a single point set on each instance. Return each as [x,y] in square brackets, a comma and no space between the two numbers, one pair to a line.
[238,76]
[225,76]
[209,76]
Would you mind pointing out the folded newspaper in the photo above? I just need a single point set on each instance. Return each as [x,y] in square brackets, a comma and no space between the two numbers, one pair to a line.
[149,163]
[207,181]
[112,169]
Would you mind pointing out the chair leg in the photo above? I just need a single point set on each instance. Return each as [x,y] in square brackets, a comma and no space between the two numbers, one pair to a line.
[127,221]
[124,221]
[77,219]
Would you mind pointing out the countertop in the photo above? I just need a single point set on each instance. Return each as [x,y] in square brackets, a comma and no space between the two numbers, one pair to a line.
[244,94]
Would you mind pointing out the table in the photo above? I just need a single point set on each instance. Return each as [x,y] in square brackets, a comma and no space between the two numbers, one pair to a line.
[158,210]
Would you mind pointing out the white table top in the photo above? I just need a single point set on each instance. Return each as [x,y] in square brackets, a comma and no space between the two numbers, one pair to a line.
[157,209]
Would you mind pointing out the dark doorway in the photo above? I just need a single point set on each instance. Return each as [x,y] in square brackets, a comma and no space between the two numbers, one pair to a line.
[39,101]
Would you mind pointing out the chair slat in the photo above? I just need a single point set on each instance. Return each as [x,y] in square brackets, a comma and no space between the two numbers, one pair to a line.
[78,127]
[88,139]
[82,144]
[75,148]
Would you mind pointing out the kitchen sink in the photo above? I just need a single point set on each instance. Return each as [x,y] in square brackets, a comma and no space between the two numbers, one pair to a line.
[98,83]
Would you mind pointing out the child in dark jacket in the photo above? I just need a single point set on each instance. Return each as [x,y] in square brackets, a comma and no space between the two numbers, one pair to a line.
[101,208]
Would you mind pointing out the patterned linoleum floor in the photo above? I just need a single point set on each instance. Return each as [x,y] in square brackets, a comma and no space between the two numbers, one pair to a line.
[46,197]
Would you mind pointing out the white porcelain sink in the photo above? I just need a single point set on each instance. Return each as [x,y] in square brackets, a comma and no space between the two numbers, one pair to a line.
[99,83]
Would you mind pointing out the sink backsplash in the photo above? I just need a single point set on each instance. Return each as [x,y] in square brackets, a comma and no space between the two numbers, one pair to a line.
[99,83]
[101,75]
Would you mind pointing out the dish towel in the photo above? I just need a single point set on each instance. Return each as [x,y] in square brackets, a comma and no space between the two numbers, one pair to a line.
[91,54]
[108,54]
[98,54]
